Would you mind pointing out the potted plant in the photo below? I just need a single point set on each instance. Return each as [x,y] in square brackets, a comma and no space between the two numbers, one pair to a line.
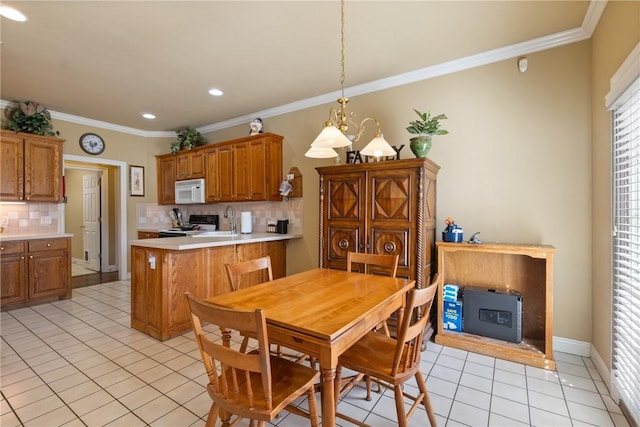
[31,117]
[425,128]
[188,138]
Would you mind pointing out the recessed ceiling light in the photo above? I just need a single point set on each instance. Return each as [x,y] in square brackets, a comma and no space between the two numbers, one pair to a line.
[215,92]
[148,116]
[11,13]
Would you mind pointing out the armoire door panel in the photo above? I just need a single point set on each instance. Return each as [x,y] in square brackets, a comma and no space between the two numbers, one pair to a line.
[391,197]
[341,241]
[345,197]
[391,242]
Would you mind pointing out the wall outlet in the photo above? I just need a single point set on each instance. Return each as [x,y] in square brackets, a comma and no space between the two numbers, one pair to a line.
[4,221]
[45,220]
[290,177]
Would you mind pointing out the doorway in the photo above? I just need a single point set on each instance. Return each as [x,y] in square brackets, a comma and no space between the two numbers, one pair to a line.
[95,213]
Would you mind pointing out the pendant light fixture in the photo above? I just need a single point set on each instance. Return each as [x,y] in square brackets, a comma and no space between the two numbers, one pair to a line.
[334,132]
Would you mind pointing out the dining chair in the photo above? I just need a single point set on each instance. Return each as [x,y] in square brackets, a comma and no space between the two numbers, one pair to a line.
[394,361]
[382,264]
[250,272]
[255,385]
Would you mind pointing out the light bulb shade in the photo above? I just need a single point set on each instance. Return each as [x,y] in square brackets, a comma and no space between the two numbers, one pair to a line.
[330,137]
[378,147]
[321,152]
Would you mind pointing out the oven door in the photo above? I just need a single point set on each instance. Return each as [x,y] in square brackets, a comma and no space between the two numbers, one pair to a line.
[171,234]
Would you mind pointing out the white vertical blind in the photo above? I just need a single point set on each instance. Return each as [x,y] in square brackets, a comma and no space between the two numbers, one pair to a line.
[626,248]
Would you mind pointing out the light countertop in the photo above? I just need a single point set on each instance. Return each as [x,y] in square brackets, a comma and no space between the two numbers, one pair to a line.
[190,242]
[10,238]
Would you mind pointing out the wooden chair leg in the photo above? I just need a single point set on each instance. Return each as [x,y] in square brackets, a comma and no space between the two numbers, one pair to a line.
[426,400]
[313,408]
[213,416]
[399,398]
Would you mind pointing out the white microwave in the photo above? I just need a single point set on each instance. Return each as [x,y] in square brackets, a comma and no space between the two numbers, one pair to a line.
[190,191]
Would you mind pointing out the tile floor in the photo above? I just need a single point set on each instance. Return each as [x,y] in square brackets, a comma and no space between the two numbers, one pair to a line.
[77,363]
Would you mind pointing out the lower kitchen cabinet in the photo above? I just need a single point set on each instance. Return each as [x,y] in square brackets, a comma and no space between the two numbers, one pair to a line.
[34,271]
[160,277]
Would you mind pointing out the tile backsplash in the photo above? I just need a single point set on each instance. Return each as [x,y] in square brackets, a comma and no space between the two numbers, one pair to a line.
[151,216]
[30,219]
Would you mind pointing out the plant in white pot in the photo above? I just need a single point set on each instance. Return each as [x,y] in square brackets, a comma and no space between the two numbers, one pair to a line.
[425,129]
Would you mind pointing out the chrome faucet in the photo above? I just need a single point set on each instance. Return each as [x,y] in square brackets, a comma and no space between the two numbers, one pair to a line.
[234,228]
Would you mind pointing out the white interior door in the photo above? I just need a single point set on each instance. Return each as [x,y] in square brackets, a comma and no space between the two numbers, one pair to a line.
[91,220]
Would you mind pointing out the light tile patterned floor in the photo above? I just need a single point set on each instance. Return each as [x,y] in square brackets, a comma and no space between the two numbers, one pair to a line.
[77,362]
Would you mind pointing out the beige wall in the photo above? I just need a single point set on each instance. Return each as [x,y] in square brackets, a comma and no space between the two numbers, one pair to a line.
[516,165]
[618,32]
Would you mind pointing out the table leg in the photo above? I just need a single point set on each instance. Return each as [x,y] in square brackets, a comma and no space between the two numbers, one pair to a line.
[328,396]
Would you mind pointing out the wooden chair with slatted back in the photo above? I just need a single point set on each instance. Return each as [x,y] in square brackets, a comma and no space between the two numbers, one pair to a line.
[251,272]
[373,264]
[253,385]
[238,272]
[396,361]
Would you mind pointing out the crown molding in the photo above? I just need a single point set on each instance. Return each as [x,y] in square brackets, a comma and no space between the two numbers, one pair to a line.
[584,32]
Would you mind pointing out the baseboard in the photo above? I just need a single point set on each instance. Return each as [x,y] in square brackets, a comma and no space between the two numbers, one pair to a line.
[602,368]
[566,345]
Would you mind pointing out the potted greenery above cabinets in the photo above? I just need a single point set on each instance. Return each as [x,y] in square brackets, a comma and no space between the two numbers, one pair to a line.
[30,117]
[425,128]
[188,138]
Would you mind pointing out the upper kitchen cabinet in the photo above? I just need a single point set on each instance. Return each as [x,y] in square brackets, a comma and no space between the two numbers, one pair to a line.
[31,167]
[380,208]
[190,165]
[239,170]
[257,168]
[166,179]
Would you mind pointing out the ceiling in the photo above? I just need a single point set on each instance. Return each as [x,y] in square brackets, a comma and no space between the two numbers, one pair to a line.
[112,61]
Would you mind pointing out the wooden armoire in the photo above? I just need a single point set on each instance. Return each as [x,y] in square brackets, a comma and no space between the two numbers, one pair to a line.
[383,207]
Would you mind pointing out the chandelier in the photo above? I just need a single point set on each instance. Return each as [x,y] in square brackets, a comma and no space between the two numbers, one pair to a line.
[335,131]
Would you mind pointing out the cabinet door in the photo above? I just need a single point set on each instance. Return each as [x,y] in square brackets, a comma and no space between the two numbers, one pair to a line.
[217,258]
[274,167]
[344,207]
[183,166]
[277,250]
[146,290]
[166,180]
[11,173]
[197,164]
[256,170]
[226,176]
[42,170]
[392,223]
[48,274]
[212,179]
[241,174]
[13,275]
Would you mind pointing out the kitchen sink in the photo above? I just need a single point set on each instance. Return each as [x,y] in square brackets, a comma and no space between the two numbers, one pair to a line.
[216,233]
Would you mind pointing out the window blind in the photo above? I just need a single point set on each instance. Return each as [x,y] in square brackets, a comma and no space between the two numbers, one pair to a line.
[626,248]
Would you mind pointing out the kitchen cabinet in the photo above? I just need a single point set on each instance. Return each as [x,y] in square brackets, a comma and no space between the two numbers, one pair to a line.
[31,167]
[166,166]
[239,170]
[527,269]
[34,271]
[190,165]
[159,278]
[147,234]
[382,208]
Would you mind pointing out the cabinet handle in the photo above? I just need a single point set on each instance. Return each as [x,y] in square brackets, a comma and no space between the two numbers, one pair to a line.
[30,256]
[21,257]
[48,245]
[1,248]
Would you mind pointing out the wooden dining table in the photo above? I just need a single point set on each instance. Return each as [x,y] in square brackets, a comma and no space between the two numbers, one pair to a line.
[321,312]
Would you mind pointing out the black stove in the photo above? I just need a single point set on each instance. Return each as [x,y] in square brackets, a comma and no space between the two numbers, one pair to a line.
[200,223]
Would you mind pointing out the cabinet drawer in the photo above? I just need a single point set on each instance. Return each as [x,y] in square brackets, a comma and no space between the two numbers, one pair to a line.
[47,245]
[7,248]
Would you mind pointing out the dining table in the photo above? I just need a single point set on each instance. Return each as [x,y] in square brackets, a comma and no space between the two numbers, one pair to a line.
[321,312]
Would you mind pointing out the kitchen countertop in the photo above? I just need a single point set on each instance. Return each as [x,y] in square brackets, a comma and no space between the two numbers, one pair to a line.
[4,238]
[190,242]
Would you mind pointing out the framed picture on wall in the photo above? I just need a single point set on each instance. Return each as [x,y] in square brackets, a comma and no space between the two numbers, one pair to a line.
[136,180]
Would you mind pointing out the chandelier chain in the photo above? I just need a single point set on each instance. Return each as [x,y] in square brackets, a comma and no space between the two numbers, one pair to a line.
[342,76]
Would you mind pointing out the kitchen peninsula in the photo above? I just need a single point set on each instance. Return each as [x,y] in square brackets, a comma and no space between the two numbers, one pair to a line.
[163,269]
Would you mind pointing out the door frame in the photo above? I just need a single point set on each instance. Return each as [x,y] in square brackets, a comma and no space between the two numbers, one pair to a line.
[120,207]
